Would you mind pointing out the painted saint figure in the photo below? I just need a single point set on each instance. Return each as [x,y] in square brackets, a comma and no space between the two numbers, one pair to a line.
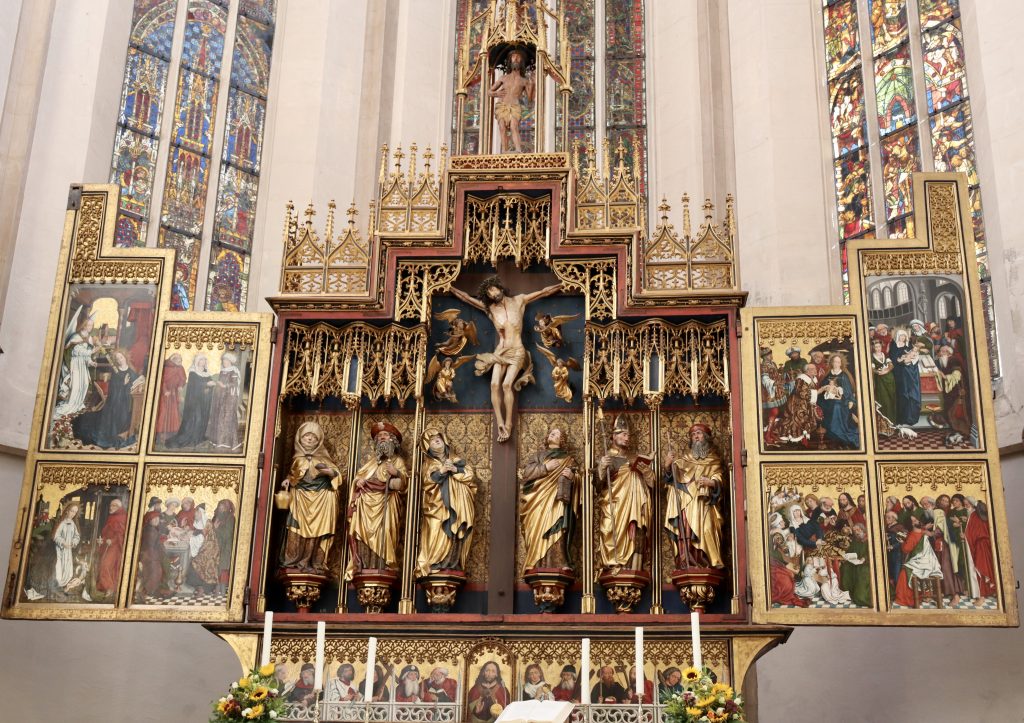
[66,537]
[624,510]
[838,403]
[510,364]
[449,489]
[222,429]
[109,426]
[907,376]
[313,512]
[693,520]
[111,549]
[376,503]
[548,503]
[195,412]
[168,418]
[488,696]
[76,366]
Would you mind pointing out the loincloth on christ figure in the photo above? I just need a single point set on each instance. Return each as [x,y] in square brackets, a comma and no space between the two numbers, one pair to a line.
[510,112]
[508,357]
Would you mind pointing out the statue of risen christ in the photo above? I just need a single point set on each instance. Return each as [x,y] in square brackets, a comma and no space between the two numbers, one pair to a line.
[510,357]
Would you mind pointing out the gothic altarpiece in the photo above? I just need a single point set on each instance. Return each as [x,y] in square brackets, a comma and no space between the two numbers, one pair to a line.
[506,417]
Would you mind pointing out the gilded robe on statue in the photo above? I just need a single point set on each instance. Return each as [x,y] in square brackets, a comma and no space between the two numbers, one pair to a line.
[449,490]
[625,505]
[313,512]
[375,505]
[548,502]
[692,518]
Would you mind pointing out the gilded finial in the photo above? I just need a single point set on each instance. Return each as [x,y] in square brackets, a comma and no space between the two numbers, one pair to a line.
[399,155]
[329,232]
[663,209]
[412,162]
[576,143]
[604,158]
[372,220]
[383,164]
[686,215]
[428,155]
[708,209]
[730,216]
[310,213]
[352,212]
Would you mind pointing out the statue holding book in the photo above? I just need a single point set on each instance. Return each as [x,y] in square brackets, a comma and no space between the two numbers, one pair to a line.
[625,480]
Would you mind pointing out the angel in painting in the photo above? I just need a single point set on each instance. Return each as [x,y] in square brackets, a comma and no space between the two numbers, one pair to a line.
[444,370]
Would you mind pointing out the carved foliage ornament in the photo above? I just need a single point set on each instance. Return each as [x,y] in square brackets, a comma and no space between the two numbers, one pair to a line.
[211,337]
[83,475]
[85,264]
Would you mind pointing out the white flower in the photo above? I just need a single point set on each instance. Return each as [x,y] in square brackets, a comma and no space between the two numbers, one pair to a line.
[234,684]
[720,711]
[273,714]
[223,700]
[230,697]
[247,711]
[739,700]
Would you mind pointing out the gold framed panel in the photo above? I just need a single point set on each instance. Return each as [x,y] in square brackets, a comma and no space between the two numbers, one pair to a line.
[128,291]
[943,251]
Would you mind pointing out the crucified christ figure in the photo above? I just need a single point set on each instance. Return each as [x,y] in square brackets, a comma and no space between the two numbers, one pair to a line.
[510,357]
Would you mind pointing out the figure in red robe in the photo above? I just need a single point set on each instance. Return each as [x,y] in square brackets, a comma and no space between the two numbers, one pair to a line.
[783,586]
[112,548]
[920,562]
[978,539]
[439,688]
[488,696]
[168,418]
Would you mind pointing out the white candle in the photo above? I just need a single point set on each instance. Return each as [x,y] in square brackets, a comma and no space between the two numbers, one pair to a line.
[321,643]
[698,662]
[639,663]
[268,624]
[371,664]
[585,671]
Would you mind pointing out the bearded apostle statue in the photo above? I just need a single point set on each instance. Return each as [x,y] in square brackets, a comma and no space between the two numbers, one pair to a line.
[376,503]
[548,503]
[624,508]
[692,517]
[312,481]
[449,490]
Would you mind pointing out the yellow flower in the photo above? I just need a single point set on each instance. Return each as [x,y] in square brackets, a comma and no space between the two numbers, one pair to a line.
[722,688]
[705,702]
[691,674]
[259,692]
[267,670]
[256,711]
[695,712]
[244,682]
[222,706]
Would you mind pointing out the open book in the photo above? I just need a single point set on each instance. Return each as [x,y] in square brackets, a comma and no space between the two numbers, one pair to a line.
[536,711]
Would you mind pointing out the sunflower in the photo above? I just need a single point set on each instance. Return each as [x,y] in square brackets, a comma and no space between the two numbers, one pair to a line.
[694,712]
[691,675]
[707,702]
[267,670]
[722,689]
[259,692]
[256,711]
[244,682]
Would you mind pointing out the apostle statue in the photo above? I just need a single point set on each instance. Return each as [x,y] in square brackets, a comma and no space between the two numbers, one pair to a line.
[313,481]
[449,489]
[625,505]
[375,504]
[692,518]
[548,503]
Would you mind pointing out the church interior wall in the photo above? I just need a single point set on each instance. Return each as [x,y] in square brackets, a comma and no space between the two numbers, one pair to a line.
[322,143]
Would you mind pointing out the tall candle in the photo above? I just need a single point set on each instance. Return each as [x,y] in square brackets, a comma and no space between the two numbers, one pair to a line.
[639,663]
[321,643]
[371,664]
[268,624]
[585,671]
[698,662]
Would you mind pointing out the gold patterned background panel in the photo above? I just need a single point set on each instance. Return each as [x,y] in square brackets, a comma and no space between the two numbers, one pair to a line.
[940,537]
[924,374]
[533,428]
[186,540]
[808,387]
[816,520]
[470,436]
[661,658]
[77,537]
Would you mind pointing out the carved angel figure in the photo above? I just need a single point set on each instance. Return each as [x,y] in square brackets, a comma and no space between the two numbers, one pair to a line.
[560,373]
[444,370]
[460,331]
[549,328]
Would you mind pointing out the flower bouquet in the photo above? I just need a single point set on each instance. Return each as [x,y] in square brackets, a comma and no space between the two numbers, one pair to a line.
[253,698]
[703,701]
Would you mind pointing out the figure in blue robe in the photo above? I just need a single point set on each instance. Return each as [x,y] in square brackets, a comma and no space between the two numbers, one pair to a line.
[837,411]
[907,377]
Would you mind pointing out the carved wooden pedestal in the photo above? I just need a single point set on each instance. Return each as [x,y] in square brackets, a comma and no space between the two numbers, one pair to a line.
[441,587]
[625,587]
[549,585]
[373,588]
[302,586]
[697,585]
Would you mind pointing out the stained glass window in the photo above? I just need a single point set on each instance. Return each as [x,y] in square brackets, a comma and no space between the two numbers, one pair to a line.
[238,184]
[187,178]
[469,23]
[579,15]
[625,82]
[904,133]
[137,138]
